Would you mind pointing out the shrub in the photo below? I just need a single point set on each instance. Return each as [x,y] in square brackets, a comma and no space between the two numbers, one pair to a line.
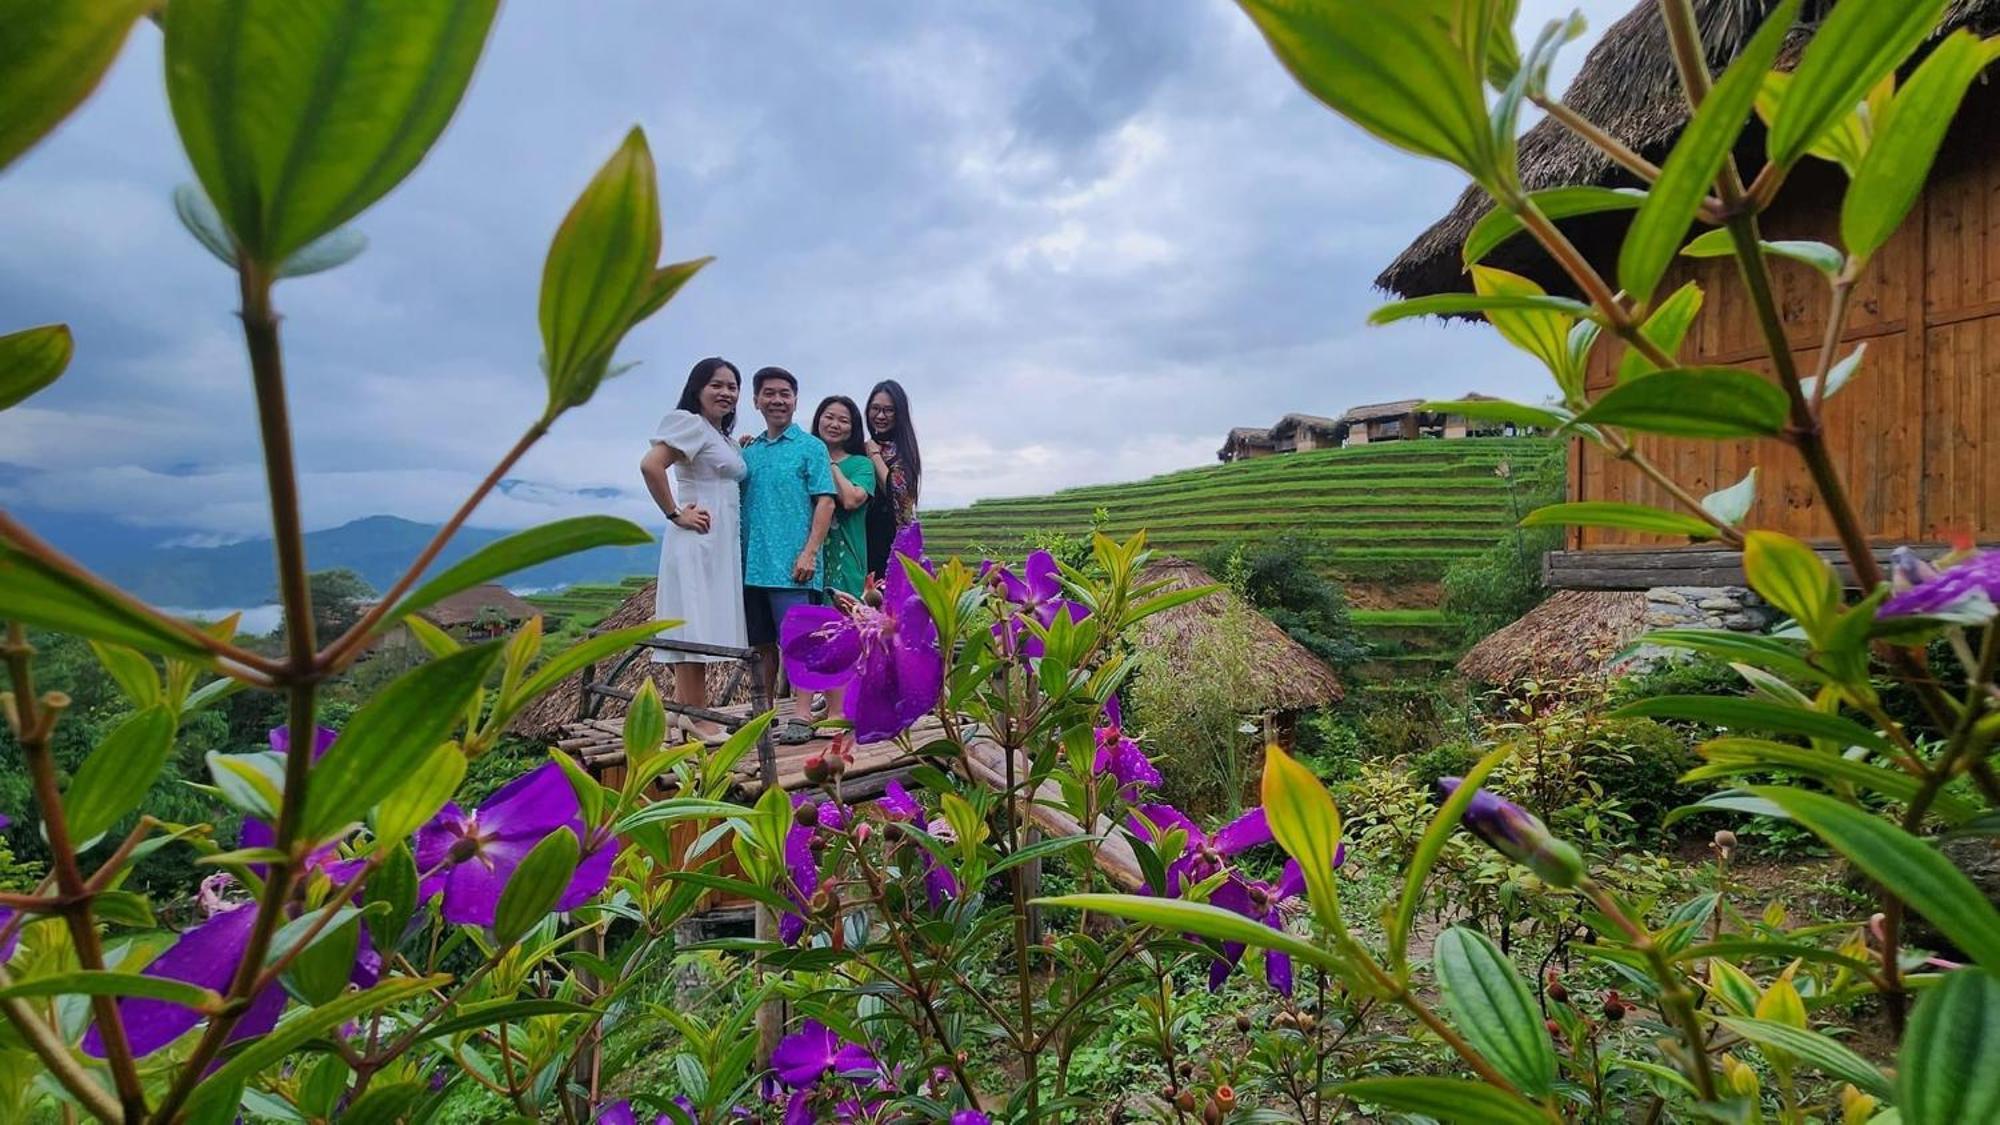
[1196,723]
[1279,578]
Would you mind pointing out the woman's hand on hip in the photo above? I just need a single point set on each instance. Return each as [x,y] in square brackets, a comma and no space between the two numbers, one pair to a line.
[692,517]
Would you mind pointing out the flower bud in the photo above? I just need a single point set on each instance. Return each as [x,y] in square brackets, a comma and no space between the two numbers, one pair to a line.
[1184,1101]
[1243,1023]
[1517,834]
[1555,1029]
[1225,1098]
[816,769]
[1187,1068]
[1556,991]
[1210,1115]
[1614,1006]
[1738,1077]
[807,814]
[1725,843]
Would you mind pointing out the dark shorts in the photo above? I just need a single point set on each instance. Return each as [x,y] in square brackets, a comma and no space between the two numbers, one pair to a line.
[765,606]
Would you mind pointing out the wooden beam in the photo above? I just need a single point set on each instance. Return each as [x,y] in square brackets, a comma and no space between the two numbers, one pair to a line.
[1644,569]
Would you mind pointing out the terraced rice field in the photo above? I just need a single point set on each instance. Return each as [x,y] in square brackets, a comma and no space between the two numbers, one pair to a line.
[583,606]
[1385,519]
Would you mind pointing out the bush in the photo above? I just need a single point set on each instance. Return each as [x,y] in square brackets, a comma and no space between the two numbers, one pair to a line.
[1195,722]
[1279,578]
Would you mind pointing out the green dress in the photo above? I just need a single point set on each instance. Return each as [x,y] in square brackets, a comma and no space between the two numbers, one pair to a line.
[847,540]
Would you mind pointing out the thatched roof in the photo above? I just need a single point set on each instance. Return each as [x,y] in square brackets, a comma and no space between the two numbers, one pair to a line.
[1573,633]
[1381,410]
[1628,87]
[1242,438]
[468,605]
[1287,675]
[541,718]
[1292,423]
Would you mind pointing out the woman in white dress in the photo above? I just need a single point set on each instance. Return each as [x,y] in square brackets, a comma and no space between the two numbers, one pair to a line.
[701,554]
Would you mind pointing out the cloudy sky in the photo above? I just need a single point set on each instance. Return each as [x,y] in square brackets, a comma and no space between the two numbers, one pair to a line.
[1088,236]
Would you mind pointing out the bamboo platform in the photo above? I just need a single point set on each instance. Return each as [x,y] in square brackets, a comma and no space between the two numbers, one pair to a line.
[599,744]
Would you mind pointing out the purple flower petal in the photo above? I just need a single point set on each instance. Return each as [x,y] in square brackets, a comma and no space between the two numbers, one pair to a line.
[807,1055]
[1292,883]
[13,941]
[1278,971]
[897,804]
[820,646]
[1243,833]
[281,740]
[593,874]
[205,957]
[534,804]
[617,1113]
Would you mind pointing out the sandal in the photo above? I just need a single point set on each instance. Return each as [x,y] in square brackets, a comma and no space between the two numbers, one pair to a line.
[793,732]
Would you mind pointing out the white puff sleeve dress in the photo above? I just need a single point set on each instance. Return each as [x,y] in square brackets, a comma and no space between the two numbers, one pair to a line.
[701,576]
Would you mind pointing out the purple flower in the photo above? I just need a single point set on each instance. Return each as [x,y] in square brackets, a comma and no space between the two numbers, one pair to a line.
[1519,835]
[812,1056]
[886,657]
[1203,854]
[1039,596]
[207,956]
[469,857]
[1971,588]
[970,1117]
[258,833]
[1121,757]
[897,804]
[1260,902]
[281,740]
[621,1113]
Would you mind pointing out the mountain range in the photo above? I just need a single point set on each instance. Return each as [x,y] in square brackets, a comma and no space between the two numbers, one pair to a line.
[156,563]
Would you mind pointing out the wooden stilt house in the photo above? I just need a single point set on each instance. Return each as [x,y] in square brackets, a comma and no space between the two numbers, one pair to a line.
[1917,431]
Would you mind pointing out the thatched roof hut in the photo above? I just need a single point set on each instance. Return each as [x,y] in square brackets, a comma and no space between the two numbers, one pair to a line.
[478,603]
[1245,442]
[1629,87]
[1573,633]
[1288,678]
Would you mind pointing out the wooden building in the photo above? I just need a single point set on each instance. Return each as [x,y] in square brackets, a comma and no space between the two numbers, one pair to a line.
[1917,431]
[1299,433]
[1246,443]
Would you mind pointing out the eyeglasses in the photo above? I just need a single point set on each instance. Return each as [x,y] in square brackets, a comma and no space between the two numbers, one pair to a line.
[880,410]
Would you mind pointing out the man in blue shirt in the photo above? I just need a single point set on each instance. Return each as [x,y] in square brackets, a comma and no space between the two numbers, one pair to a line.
[787,508]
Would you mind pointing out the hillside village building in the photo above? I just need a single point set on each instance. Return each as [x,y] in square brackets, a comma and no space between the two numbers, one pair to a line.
[1361,425]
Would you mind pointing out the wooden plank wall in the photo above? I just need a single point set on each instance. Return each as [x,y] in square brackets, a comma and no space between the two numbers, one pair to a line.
[1911,431]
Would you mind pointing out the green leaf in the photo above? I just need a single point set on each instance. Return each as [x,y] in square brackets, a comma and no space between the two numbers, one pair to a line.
[251,783]
[52,56]
[32,359]
[645,723]
[599,271]
[389,898]
[1945,1073]
[1848,141]
[34,593]
[1442,825]
[476,1017]
[1540,333]
[536,886]
[1198,918]
[1813,1049]
[385,1105]
[1613,513]
[1853,49]
[297,118]
[1729,756]
[1494,1009]
[1792,576]
[118,774]
[1732,504]
[87,982]
[1892,174]
[1401,78]
[1661,226]
[1446,1099]
[136,676]
[410,717]
[330,251]
[1914,871]
[1453,304]
[321,972]
[1764,652]
[1756,714]
[1666,328]
[1699,402]
[734,887]
[305,1025]
[1498,225]
[202,221]
[1731,800]
[519,551]
[664,284]
[1498,410]
[1307,825]
[420,793]
[1720,243]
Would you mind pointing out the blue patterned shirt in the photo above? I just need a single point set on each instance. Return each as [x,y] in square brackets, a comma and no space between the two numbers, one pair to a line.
[782,477]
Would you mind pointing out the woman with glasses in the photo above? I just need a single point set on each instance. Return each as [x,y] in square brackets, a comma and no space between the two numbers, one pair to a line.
[899,468]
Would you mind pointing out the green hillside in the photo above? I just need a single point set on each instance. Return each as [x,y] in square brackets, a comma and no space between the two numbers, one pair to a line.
[1386,520]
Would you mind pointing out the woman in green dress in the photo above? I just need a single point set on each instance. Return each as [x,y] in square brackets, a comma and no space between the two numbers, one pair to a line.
[837,422]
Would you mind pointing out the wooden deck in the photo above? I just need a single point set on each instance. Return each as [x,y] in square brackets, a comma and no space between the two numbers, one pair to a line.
[599,744]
